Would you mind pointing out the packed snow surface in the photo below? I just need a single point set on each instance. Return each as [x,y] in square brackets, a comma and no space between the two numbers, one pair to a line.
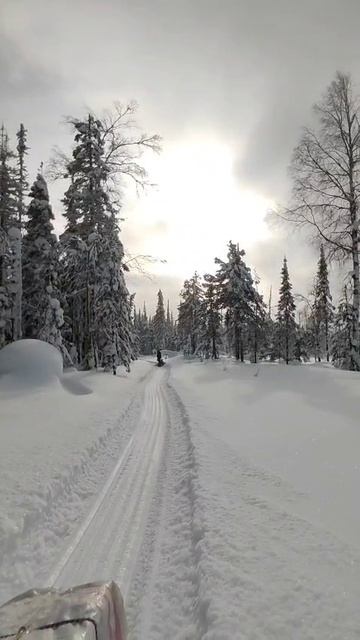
[223,498]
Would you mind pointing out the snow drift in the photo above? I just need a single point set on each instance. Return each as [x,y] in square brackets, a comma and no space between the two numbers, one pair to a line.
[29,364]
[34,364]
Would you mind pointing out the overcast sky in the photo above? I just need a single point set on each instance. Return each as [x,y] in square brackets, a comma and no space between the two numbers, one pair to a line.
[226,83]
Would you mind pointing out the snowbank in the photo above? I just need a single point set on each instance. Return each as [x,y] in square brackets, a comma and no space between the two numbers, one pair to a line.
[29,364]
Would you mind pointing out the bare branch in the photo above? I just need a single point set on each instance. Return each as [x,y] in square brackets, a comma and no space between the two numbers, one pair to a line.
[138,262]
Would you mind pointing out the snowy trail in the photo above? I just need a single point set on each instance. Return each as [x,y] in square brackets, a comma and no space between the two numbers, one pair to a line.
[175,502]
[107,543]
[167,598]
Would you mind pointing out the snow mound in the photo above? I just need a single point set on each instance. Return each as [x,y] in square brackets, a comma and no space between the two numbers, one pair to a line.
[73,385]
[30,363]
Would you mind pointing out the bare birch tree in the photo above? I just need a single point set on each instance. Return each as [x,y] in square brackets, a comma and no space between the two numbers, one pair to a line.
[326,184]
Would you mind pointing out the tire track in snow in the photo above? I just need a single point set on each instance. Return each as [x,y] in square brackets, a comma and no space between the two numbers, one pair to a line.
[107,544]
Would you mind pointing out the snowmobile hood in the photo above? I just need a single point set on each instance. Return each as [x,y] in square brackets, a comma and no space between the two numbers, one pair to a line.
[91,611]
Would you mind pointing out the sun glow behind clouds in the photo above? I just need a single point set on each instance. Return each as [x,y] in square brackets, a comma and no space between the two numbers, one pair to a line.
[196,208]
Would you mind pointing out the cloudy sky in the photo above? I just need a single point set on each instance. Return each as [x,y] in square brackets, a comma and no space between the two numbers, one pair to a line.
[226,83]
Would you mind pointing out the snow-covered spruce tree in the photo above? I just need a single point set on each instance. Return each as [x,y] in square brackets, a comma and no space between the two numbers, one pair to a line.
[268,347]
[114,332]
[86,205]
[286,316]
[98,304]
[323,310]
[135,340]
[174,345]
[210,329]
[257,325]
[42,312]
[21,190]
[341,342]
[159,322]
[172,333]
[190,310]
[301,351]
[237,296]
[22,185]
[146,343]
[9,240]
[136,333]
[169,329]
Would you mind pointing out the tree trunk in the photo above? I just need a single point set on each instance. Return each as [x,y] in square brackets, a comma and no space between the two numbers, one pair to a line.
[88,342]
[237,343]
[214,350]
[241,346]
[15,241]
[327,338]
[317,343]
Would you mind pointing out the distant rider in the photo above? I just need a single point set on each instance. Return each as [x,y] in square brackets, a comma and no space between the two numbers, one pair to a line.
[159,358]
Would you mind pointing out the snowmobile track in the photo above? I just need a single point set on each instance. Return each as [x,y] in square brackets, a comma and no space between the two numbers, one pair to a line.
[108,542]
[167,599]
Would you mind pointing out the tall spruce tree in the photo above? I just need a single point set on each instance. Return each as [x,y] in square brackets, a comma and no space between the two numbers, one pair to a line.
[237,296]
[146,340]
[210,332]
[190,310]
[42,312]
[341,343]
[21,187]
[170,329]
[323,310]
[286,316]
[159,322]
[9,240]
[113,304]
[98,302]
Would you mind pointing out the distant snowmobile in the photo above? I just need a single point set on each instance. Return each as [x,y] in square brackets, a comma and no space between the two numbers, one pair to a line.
[160,361]
[88,612]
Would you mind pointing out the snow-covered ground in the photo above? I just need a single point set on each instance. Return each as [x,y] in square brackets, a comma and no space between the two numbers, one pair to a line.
[277,477]
[59,441]
[222,497]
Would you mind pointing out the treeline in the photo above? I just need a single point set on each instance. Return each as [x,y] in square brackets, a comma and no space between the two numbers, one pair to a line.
[157,332]
[225,313]
[71,291]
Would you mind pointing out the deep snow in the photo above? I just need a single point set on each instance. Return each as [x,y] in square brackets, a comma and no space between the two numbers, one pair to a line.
[277,484]
[222,497]
[56,451]
[29,364]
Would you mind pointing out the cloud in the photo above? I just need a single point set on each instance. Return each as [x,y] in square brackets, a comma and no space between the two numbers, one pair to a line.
[243,73]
